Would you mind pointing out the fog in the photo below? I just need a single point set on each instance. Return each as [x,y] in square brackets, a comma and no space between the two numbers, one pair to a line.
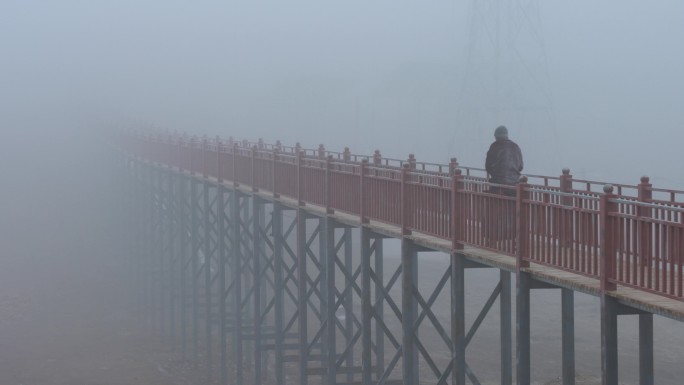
[593,86]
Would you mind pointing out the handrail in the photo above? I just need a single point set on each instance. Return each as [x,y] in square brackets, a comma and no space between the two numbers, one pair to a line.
[583,231]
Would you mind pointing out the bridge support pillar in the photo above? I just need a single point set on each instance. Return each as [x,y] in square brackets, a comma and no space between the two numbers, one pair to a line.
[646,373]
[409,276]
[506,328]
[609,340]
[458,318]
[568,335]
[302,295]
[611,309]
[523,328]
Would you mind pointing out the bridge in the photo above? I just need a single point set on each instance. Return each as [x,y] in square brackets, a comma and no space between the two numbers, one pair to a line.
[245,251]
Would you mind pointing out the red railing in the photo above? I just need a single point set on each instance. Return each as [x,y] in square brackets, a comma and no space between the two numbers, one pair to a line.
[627,235]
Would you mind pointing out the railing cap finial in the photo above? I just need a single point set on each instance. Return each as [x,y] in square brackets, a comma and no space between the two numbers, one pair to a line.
[608,188]
[566,171]
[645,179]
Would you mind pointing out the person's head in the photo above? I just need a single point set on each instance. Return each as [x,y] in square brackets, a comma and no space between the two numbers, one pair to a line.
[501,132]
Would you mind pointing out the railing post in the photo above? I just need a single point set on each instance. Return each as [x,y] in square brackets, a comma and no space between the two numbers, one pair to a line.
[522,228]
[205,156]
[179,152]
[274,173]
[321,151]
[566,187]
[456,209]
[645,194]
[362,190]
[566,236]
[235,150]
[377,158]
[606,207]
[219,168]
[328,188]
[300,164]
[193,143]
[346,155]
[406,203]
[412,161]
[253,168]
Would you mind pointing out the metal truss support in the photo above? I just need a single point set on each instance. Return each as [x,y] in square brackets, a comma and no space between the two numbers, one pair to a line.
[611,309]
[184,257]
[286,286]
[267,278]
[458,329]
[302,295]
[525,284]
[263,289]
[313,296]
[237,257]
[568,335]
[646,374]
[523,328]
[409,281]
[196,213]
[172,251]
[373,297]
[609,340]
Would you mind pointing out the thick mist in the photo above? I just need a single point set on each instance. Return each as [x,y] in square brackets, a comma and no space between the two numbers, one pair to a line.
[593,86]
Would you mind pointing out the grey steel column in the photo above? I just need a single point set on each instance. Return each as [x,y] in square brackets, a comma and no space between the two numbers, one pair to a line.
[277,226]
[183,225]
[237,287]
[506,328]
[409,279]
[302,294]
[646,373]
[328,255]
[349,301]
[379,308]
[366,309]
[609,342]
[458,318]
[206,247]
[256,263]
[139,239]
[160,247]
[222,260]
[149,247]
[523,328]
[195,268]
[568,330]
[173,254]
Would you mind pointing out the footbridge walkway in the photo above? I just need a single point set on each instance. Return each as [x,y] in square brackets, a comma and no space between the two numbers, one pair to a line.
[265,262]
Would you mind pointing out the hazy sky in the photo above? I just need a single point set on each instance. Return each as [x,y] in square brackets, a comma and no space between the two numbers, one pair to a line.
[594,86]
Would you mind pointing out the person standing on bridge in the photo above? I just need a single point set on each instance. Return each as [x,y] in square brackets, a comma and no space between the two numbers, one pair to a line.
[504,162]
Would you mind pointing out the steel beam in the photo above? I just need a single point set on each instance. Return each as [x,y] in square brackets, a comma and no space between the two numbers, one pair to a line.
[568,335]
[523,328]
[609,340]
[646,373]
[409,265]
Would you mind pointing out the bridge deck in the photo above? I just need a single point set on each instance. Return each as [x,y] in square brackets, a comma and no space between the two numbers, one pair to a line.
[634,298]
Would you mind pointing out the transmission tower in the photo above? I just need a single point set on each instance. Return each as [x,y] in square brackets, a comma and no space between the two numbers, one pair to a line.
[506,80]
